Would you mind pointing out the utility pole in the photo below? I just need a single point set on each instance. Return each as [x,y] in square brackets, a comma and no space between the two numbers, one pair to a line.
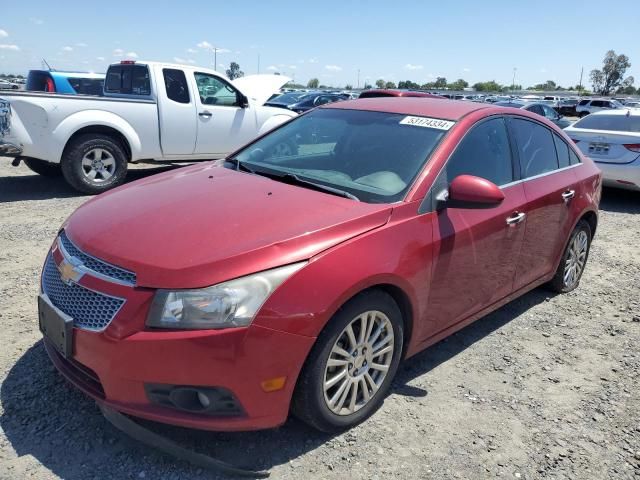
[358,78]
[513,82]
[580,84]
[215,58]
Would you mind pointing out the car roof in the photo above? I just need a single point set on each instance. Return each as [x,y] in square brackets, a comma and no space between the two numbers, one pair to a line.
[419,106]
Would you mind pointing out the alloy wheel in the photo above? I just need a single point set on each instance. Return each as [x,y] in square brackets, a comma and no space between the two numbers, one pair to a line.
[358,363]
[98,165]
[576,258]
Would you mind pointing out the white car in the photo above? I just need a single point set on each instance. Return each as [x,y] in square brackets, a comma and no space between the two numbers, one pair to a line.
[587,106]
[150,112]
[612,140]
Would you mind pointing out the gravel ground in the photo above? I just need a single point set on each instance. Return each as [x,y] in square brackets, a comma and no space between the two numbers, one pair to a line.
[546,387]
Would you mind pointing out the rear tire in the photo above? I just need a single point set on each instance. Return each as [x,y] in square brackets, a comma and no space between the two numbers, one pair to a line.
[573,261]
[41,167]
[94,163]
[360,366]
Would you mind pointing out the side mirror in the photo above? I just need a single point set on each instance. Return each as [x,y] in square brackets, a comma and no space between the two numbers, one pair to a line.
[243,101]
[468,191]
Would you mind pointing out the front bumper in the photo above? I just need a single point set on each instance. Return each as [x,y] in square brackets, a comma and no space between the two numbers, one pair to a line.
[115,372]
[9,149]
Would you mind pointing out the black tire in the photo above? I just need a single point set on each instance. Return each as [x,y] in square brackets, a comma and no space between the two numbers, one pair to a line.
[46,169]
[558,283]
[309,403]
[73,170]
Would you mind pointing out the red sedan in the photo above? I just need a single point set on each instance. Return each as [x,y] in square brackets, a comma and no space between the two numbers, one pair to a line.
[224,295]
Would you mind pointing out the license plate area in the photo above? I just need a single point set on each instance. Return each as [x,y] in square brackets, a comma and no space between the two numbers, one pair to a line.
[599,148]
[56,326]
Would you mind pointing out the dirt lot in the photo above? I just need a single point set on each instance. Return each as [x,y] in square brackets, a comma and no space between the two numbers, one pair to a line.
[546,387]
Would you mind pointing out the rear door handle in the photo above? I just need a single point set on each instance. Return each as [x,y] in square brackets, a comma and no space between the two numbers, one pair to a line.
[206,114]
[568,195]
[515,218]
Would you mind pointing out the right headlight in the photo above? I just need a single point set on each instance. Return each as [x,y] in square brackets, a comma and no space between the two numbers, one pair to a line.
[230,304]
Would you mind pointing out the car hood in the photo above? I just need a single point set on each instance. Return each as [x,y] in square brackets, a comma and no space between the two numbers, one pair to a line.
[259,88]
[201,225]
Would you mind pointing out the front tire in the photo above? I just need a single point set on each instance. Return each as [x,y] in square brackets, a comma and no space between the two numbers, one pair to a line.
[41,167]
[574,259]
[352,364]
[94,163]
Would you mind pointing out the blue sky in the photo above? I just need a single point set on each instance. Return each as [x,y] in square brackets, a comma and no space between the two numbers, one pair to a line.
[330,40]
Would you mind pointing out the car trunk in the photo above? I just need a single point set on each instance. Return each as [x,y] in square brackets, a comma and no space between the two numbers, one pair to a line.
[607,147]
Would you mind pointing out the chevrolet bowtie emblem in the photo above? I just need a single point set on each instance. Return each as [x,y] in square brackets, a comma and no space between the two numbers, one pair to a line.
[69,272]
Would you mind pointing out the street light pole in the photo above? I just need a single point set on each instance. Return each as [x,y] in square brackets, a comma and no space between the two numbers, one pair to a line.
[358,78]
[513,81]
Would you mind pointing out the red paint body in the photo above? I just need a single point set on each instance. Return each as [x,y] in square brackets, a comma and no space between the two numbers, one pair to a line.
[205,224]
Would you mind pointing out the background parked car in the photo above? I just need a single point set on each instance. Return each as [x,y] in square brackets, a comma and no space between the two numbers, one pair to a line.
[312,100]
[587,106]
[568,107]
[612,140]
[285,99]
[390,92]
[4,85]
[65,82]
[541,109]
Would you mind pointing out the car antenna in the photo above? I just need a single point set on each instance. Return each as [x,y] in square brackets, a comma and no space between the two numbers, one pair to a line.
[48,66]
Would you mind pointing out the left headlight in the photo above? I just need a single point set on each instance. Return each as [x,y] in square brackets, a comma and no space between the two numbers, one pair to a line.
[230,304]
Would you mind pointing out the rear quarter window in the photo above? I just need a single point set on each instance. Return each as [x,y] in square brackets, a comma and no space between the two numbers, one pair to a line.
[536,148]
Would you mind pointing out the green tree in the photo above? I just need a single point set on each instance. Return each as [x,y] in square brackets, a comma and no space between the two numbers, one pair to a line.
[459,84]
[234,71]
[348,87]
[611,76]
[367,86]
[491,86]
[441,82]
[389,85]
[408,84]
[313,83]
[380,83]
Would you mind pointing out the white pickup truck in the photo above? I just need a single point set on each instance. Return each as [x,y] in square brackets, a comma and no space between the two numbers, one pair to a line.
[149,112]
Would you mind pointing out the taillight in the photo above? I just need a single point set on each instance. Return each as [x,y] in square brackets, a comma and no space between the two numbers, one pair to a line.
[634,147]
[127,62]
[574,140]
[49,87]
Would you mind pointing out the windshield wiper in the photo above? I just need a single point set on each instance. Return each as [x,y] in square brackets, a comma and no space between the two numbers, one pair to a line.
[294,179]
[240,165]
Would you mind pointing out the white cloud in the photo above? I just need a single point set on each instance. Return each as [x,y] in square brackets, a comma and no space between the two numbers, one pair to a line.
[465,69]
[313,60]
[179,60]
[67,49]
[204,44]
[333,68]
[100,59]
[118,52]
[191,50]
[410,66]
[543,70]
[3,33]
[221,65]
[292,67]
[37,21]
[272,67]
[191,60]
[81,44]
[15,48]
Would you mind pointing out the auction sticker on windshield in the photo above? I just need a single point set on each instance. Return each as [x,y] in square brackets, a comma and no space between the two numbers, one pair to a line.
[427,122]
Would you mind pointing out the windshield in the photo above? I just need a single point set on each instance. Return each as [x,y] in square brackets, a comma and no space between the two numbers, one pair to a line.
[286,98]
[372,155]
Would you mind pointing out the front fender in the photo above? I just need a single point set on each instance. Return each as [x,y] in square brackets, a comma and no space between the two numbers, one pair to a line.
[92,118]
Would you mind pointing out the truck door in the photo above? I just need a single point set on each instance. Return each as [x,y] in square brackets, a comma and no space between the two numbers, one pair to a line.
[177,112]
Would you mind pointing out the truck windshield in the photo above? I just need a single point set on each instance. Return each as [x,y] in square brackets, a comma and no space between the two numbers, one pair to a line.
[374,156]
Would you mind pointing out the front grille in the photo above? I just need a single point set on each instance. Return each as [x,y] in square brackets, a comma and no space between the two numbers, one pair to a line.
[90,310]
[99,266]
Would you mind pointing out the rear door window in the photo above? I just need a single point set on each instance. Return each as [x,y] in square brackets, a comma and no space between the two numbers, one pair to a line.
[176,86]
[484,152]
[596,103]
[536,148]
[87,86]
[128,80]
[549,112]
[536,109]
[562,150]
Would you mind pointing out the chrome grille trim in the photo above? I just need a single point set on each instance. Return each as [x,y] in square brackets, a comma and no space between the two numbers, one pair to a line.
[89,309]
[95,266]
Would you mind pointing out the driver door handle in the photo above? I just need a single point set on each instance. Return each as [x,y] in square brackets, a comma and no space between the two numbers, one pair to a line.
[516,218]
[206,114]
[568,195]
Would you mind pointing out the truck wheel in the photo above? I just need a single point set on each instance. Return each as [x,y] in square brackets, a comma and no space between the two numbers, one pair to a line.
[46,169]
[94,163]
